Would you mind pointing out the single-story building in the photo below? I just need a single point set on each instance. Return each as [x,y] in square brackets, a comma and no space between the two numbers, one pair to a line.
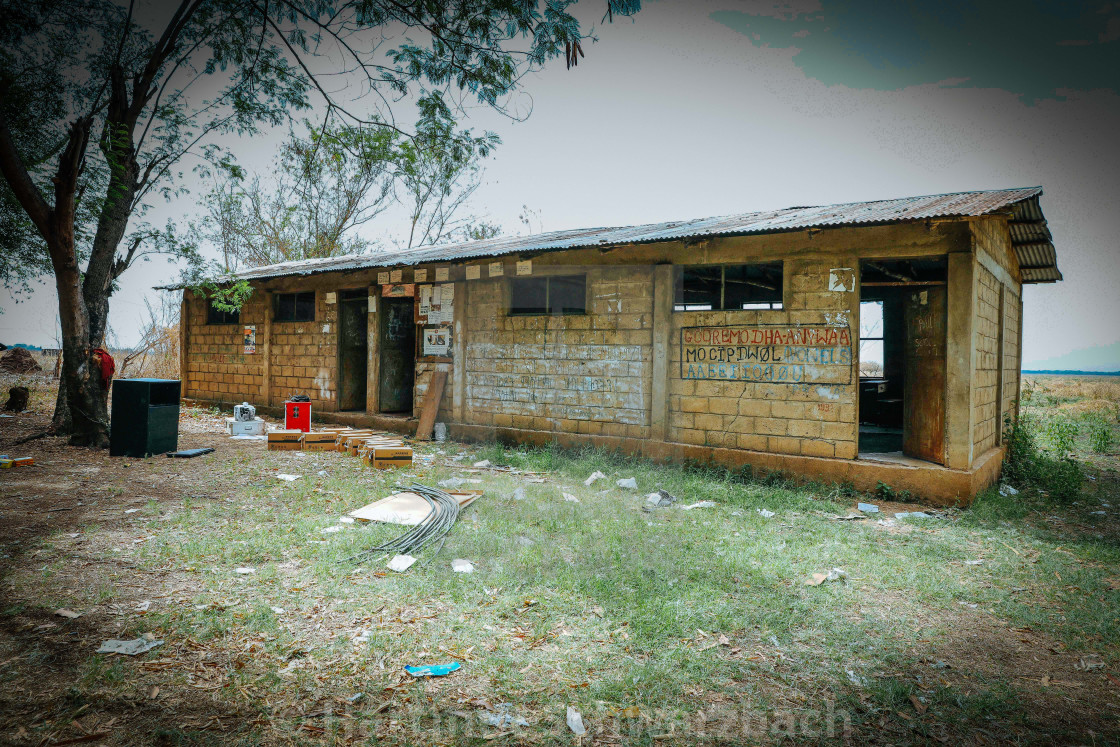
[864,342]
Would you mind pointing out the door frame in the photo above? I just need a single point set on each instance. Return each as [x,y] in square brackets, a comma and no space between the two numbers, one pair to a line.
[339,292]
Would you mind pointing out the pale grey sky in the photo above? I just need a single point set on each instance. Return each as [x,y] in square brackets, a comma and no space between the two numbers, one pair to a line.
[687,112]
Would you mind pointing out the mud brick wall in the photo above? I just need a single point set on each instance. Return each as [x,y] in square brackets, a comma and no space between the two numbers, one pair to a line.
[579,374]
[784,396]
[985,377]
[305,357]
[217,365]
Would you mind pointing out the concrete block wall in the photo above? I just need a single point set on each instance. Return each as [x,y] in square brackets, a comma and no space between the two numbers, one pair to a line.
[811,413]
[216,363]
[305,357]
[579,373]
[985,377]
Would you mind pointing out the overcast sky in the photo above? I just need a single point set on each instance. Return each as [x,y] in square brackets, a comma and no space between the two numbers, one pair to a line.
[695,109]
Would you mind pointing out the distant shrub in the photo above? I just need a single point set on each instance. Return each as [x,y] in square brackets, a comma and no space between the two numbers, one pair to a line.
[1062,433]
[1027,466]
[1101,437]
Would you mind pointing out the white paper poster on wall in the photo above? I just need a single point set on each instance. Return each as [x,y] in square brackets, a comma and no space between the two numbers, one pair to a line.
[474,272]
[420,276]
[250,339]
[443,274]
[382,278]
[437,340]
[525,267]
[425,300]
[497,269]
[396,276]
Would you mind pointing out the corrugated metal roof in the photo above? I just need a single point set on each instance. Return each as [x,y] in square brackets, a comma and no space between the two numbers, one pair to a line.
[1028,229]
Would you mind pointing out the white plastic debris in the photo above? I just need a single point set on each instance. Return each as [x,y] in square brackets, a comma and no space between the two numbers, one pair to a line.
[627,482]
[246,437]
[143,606]
[401,563]
[131,510]
[68,614]
[459,565]
[483,463]
[287,478]
[278,610]
[765,513]
[128,648]
[346,519]
[519,494]
[441,432]
[913,515]
[699,504]
[451,482]
[244,570]
[1006,490]
[575,722]
[570,498]
[974,562]
[330,529]
[322,473]
[835,574]
[596,475]
[868,508]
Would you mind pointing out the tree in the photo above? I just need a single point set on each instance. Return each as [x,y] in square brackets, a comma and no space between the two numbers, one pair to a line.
[326,185]
[149,86]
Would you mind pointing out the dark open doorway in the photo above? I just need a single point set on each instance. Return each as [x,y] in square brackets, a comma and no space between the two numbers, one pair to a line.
[353,349]
[902,359]
[398,355]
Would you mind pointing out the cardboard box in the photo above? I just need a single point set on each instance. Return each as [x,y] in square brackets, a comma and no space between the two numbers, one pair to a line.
[285,440]
[9,462]
[318,437]
[390,457]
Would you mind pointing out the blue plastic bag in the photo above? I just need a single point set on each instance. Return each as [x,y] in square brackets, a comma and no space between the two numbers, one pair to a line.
[433,670]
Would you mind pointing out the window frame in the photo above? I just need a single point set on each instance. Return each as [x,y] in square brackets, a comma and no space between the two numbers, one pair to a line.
[682,306]
[548,311]
[295,305]
[880,339]
[211,311]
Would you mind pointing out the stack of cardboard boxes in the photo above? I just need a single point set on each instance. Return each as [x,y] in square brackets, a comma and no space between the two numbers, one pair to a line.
[380,450]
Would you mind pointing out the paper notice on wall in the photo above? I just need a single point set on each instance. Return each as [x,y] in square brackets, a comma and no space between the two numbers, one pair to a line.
[474,272]
[250,339]
[382,278]
[443,274]
[841,279]
[330,297]
[396,276]
[425,300]
[497,269]
[437,340]
[437,295]
[420,276]
[525,267]
[447,293]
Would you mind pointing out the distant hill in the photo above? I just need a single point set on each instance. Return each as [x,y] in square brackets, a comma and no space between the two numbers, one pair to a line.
[1101,359]
[1071,373]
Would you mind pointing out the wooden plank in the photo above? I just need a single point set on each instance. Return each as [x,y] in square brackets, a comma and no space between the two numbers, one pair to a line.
[923,429]
[431,405]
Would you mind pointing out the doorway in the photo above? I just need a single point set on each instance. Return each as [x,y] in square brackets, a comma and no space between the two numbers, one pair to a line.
[353,350]
[903,317]
[398,355]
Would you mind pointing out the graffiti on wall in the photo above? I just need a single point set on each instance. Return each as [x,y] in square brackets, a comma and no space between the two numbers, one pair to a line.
[779,354]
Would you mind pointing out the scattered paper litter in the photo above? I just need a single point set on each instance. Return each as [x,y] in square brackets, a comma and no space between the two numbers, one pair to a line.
[128,648]
[131,510]
[913,515]
[974,562]
[246,437]
[596,475]
[484,463]
[401,563]
[570,498]
[627,482]
[1006,490]
[287,478]
[68,614]
[699,504]
[346,519]
[868,508]
[575,722]
[277,610]
[766,513]
[459,565]
[244,570]
[836,574]
[519,494]
[331,529]
[144,606]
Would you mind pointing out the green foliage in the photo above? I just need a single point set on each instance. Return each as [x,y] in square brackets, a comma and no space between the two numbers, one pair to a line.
[1027,466]
[1101,436]
[1062,434]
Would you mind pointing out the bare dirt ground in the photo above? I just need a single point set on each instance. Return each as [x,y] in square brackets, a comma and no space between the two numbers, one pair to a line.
[73,524]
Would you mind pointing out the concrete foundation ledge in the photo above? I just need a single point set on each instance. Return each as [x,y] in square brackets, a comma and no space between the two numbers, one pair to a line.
[929,483]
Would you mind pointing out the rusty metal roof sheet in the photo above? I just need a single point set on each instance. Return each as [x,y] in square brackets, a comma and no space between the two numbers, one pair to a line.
[1028,226]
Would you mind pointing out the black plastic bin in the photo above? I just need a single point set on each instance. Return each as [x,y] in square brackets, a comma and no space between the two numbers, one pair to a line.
[145,417]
